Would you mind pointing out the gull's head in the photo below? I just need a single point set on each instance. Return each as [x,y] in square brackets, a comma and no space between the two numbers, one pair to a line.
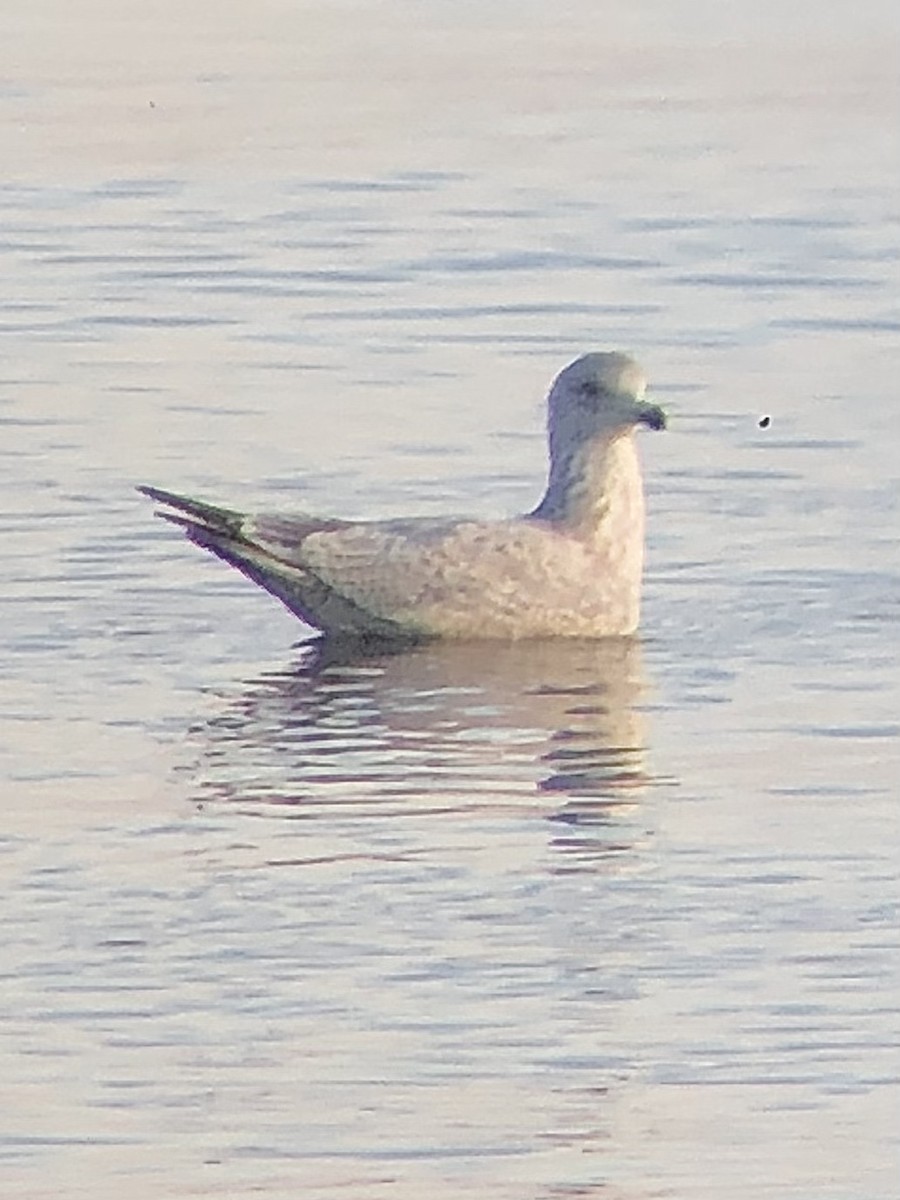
[601,394]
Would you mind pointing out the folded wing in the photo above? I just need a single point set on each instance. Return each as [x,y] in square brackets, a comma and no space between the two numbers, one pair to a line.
[270,552]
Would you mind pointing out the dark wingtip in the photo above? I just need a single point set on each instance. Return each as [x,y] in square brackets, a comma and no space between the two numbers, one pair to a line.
[220,520]
[159,495]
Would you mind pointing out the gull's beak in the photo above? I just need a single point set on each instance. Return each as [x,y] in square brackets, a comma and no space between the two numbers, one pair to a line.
[651,415]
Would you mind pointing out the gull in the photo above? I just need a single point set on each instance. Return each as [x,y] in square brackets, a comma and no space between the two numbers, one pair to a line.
[570,568]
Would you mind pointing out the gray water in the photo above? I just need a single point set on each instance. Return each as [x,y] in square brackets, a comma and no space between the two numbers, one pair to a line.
[512,922]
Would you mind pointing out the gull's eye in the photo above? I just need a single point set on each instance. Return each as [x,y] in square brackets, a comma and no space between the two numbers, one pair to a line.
[589,389]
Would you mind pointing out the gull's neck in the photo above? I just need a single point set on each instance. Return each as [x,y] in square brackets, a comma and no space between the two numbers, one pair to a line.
[594,488]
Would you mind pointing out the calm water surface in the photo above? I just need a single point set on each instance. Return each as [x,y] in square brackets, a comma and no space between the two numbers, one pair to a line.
[519,922]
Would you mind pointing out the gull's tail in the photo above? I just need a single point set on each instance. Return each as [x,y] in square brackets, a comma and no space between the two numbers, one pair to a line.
[228,534]
[219,530]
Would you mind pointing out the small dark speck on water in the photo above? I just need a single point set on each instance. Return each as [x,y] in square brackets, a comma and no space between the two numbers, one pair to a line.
[764,422]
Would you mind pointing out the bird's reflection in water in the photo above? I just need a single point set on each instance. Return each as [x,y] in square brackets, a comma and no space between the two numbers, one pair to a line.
[535,728]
